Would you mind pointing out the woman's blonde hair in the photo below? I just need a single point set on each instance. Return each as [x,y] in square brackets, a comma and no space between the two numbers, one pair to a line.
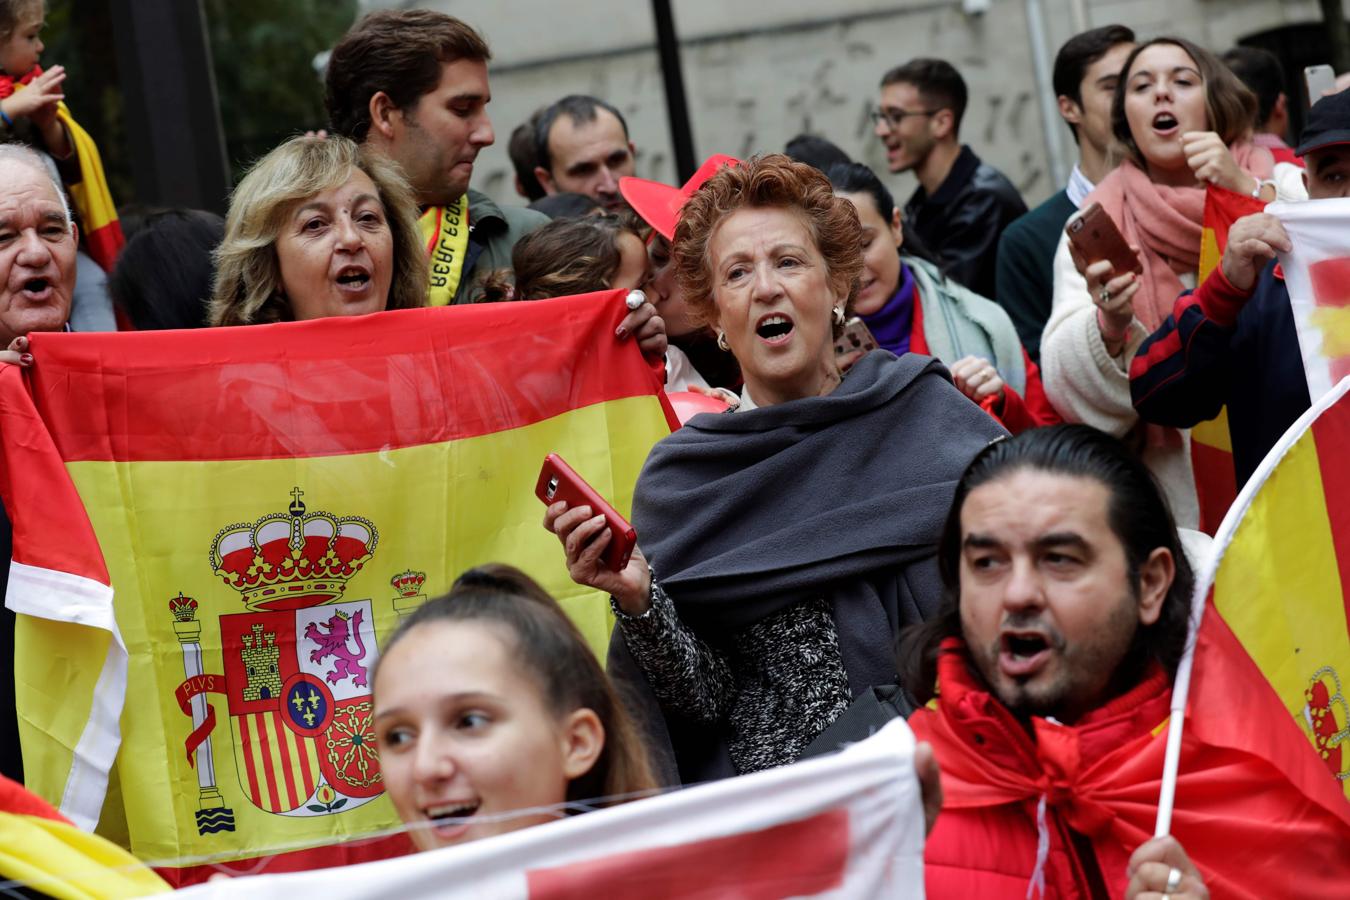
[248,287]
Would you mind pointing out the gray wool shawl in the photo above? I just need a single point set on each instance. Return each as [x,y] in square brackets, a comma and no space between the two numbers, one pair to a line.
[841,496]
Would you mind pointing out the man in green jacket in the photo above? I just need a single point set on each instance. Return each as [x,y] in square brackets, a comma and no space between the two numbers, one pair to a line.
[413,84]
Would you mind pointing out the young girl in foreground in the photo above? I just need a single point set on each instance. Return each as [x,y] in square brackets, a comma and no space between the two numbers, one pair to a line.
[492,714]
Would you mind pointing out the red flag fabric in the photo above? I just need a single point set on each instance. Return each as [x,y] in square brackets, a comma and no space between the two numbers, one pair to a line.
[1211,446]
[1253,808]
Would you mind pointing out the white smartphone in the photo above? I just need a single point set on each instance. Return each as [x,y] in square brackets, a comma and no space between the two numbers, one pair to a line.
[1320,79]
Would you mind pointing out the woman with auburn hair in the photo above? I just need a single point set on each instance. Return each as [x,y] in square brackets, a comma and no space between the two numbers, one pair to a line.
[318,227]
[492,714]
[785,543]
[1184,120]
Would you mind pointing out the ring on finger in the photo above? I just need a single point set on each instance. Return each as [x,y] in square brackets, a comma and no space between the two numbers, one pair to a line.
[1173,881]
[1104,296]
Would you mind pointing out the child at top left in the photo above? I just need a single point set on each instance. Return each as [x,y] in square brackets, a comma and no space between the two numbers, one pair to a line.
[33,112]
[21,24]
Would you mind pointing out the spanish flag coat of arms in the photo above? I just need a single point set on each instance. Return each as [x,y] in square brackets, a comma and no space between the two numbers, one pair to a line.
[215,531]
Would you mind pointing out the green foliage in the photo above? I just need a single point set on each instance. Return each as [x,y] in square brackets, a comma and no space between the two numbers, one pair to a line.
[263,54]
[264,51]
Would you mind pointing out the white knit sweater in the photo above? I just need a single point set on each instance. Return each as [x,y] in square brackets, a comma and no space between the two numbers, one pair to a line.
[1088,385]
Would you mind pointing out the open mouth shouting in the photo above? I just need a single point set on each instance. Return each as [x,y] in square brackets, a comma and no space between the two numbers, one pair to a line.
[1023,653]
[37,289]
[774,328]
[1165,124]
[450,821]
[353,279]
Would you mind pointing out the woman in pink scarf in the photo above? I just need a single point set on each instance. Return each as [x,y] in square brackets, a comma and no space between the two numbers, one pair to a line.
[1183,120]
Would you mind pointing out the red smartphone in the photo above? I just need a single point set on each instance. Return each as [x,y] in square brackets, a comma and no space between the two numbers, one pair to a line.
[1097,238]
[558,481]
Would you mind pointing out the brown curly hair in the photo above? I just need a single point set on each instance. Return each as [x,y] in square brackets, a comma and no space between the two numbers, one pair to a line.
[775,181]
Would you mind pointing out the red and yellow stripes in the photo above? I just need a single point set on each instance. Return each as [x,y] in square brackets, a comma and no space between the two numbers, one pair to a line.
[281,768]
[98,214]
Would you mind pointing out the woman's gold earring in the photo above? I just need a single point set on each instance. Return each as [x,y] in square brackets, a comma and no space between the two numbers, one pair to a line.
[722,341]
[839,315]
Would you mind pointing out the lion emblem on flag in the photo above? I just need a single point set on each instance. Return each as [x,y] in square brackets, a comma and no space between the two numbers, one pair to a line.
[347,664]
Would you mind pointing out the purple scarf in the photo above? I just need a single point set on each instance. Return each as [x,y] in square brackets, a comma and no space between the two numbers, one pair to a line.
[893,324]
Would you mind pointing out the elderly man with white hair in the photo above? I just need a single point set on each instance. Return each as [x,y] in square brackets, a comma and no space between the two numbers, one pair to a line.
[37,278]
[38,240]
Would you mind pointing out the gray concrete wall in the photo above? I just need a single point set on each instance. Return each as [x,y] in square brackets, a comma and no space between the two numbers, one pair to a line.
[757,74]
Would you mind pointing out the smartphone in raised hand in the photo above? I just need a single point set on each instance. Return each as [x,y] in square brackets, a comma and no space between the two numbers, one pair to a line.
[1097,238]
[559,481]
[1320,80]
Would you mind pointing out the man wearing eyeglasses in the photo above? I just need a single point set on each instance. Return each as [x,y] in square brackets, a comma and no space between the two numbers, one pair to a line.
[962,205]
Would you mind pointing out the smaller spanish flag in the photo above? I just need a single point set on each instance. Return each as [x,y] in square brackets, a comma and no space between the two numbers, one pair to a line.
[1282,588]
[42,851]
[1211,445]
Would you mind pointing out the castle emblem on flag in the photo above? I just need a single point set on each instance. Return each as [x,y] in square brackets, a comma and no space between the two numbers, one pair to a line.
[297,663]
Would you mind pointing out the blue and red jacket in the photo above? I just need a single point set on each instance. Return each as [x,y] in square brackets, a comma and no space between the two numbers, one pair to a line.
[1225,347]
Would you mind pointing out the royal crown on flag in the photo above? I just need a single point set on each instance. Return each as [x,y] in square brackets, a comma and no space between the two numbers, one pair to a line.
[293,559]
[184,609]
[408,583]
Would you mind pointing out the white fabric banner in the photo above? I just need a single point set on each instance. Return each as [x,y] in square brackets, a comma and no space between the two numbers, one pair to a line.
[1317,273]
[845,825]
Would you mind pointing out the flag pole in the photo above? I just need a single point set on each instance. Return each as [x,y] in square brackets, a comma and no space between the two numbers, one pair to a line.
[1181,689]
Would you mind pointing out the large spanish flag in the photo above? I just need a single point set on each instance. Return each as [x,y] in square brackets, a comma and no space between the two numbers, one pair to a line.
[1211,444]
[215,530]
[1272,665]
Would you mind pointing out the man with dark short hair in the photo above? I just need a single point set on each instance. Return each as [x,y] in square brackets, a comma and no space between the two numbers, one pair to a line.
[523,159]
[962,205]
[1086,70]
[38,241]
[1232,341]
[413,85]
[582,147]
[1067,592]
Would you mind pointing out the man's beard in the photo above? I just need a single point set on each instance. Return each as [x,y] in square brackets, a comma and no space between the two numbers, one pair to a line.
[1083,671]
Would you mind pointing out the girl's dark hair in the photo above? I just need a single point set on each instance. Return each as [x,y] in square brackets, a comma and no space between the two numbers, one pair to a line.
[1138,515]
[551,649]
[562,258]
[163,275]
[1229,105]
[856,178]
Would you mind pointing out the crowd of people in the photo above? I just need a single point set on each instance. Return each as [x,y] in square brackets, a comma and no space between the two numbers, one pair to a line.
[988,518]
